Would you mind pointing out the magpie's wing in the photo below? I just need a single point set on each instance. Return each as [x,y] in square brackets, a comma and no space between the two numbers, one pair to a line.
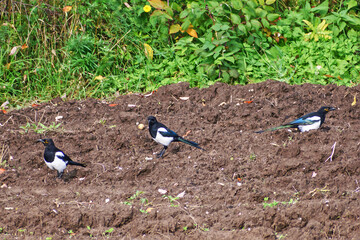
[165,132]
[306,120]
[62,156]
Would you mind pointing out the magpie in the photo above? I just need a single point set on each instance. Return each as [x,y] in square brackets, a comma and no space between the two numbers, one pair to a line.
[163,135]
[307,122]
[56,159]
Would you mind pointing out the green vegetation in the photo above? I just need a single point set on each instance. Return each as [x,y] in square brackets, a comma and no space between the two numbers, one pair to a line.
[275,203]
[39,127]
[171,200]
[143,202]
[97,48]
[131,199]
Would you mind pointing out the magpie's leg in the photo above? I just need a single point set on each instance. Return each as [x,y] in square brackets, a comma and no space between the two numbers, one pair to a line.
[60,174]
[162,152]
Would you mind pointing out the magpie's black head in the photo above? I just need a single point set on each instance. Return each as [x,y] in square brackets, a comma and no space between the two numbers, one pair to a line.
[46,141]
[326,109]
[152,119]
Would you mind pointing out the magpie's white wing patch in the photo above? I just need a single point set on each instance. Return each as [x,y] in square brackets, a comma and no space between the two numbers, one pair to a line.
[314,118]
[162,139]
[58,164]
[305,128]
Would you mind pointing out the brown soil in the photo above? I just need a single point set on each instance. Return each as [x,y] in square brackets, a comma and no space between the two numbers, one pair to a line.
[224,186]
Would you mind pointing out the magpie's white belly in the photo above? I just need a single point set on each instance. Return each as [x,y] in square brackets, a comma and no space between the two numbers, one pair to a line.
[161,139]
[305,128]
[58,164]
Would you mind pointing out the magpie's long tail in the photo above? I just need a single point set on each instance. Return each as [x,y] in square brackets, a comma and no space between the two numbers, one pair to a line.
[191,143]
[275,128]
[76,163]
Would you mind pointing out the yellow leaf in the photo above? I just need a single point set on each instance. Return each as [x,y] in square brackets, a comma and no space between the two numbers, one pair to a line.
[322,25]
[99,78]
[174,28]
[354,102]
[24,46]
[158,4]
[192,32]
[149,209]
[7,66]
[308,23]
[148,51]
[67,9]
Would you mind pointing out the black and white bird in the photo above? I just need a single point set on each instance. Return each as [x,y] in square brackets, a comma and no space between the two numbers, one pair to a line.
[56,159]
[307,122]
[163,135]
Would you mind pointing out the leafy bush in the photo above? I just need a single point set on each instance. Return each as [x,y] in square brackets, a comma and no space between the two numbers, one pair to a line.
[98,48]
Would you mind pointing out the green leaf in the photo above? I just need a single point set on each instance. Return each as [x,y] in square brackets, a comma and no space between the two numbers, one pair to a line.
[235,18]
[322,9]
[169,11]
[234,73]
[237,4]
[175,6]
[265,23]
[352,3]
[269,2]
[224,27]
[352,34]
[272,16]
[230,59]
[335,30]
[216,27]
[184,13]
[242,28]
[159,13]
[255,24]
[260,12]
[209,45]
[185,24]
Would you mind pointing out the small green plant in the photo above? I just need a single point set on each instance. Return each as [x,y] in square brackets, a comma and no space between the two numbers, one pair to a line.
[21,230]
[318,31]
[48,238]
[266,204]
[102,121]
[185,228]
[39,127]
[133,197]
[108,232]
[89,228]
[280,236]
[275,203]
[252,157]
[71,233]
[203,228]
[143,201]
[171,200]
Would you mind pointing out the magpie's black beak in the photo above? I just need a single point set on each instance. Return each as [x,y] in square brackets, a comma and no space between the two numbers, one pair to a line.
[332,108]
[40,140]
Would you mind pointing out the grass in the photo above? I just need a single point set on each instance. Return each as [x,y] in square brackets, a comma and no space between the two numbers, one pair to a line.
[4,155]
[39,127]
